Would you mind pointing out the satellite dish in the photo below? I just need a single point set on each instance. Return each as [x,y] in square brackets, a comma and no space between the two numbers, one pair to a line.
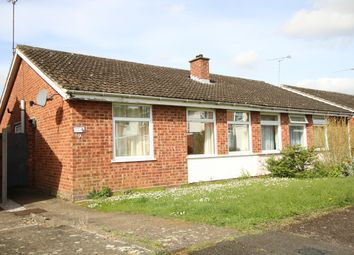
[42,97]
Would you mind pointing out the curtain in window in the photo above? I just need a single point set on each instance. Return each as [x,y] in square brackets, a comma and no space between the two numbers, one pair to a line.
[200,138]
[296,135]
[238,138]
[132,138]
[209,138]
[269,137]
[241,133]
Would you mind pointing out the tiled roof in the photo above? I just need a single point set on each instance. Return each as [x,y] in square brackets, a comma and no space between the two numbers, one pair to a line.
[345,100]
[73,71]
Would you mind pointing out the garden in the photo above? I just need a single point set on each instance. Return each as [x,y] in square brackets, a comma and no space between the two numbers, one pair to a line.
[302,182]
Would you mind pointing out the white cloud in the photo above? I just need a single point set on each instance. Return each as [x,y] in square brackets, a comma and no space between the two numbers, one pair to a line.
[176,9]
[327,19]
[247,59]
[343,85]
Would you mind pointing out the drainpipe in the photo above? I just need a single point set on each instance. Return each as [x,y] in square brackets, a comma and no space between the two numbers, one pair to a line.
[23,123]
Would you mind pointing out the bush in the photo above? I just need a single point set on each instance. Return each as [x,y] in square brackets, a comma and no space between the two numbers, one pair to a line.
[336,170]
[103,193]
[294,161]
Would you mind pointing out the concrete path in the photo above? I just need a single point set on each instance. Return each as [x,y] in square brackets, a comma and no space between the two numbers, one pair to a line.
[65,228]
[23,235]
[147,234]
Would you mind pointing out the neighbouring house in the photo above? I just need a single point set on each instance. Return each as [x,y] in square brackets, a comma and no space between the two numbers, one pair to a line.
[127,125]
[341,100]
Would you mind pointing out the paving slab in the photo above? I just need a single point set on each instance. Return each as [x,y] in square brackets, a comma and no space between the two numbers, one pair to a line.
[152,233]
[39,239]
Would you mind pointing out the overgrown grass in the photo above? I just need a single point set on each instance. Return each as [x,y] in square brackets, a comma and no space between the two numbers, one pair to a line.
[243,204]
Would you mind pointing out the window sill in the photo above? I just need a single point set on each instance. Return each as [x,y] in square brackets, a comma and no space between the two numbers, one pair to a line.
[233,155]
[240,153]
[202,156]
[132,159]
[270,152]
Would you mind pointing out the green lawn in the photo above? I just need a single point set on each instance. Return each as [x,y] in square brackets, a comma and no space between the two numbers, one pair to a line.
[243,204]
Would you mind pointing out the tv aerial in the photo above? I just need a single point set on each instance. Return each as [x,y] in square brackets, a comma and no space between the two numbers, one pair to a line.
[13,24]
[344,70]
[279,60]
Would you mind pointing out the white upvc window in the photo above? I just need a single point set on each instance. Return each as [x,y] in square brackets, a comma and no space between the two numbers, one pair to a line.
[239,131]
[320,139]
[297,130]
[132,133]
[271,137]
[201,132]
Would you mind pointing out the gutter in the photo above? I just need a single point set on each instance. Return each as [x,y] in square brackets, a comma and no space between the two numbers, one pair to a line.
[127,98]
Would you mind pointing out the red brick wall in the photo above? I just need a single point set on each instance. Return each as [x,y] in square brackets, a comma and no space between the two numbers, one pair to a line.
[93,151]
[309,131]
[256,132]
[71,166]
[221,132]
[285,135]
[50,151]
[200,68]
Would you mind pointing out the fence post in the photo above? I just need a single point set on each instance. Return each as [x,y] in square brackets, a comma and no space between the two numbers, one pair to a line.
[4,166]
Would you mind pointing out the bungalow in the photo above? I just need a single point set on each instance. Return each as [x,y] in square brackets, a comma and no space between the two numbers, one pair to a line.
[341,100]
[93,122]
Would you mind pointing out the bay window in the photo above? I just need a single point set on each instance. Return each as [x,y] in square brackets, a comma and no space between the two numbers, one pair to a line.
[270,132]
[238,131]
[320,132]
[132,132]
[201,132]
[297,130]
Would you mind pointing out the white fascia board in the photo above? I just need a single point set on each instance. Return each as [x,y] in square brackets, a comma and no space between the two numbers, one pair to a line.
[55,86]
[9,82]
[136,99]
[317,98]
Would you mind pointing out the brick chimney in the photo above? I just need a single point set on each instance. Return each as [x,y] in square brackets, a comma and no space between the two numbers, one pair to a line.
[200,69]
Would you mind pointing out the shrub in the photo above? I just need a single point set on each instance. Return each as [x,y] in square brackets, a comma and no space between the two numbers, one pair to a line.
[103,193]
[294,161]
[336,170]
[348,168]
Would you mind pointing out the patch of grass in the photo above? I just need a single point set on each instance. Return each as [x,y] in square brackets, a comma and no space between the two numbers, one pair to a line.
[243,204]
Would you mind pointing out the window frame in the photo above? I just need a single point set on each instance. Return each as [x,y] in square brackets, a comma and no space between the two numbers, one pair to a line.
[271,123]
[302,124]
[202,121]
[151,135]
[305,134]
[242,123]
[295,122]
[320,122]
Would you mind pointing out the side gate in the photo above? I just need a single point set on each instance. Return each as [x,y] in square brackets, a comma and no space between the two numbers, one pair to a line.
[17,154]
[14,157]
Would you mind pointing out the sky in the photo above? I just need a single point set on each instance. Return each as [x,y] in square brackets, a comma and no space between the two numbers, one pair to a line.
[240,37]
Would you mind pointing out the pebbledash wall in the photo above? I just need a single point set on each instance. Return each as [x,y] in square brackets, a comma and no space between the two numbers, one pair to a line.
[71,165]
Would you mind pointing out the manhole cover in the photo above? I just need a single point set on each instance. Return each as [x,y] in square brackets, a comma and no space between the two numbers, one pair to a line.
[311,251]
[29,211]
